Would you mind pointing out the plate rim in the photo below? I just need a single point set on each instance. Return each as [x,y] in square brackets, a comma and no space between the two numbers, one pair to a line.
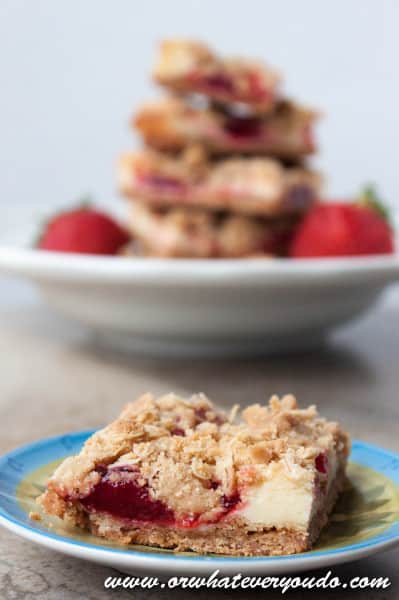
[91,551]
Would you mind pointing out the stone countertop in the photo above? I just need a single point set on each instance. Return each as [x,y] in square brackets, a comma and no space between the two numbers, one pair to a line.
[53,380]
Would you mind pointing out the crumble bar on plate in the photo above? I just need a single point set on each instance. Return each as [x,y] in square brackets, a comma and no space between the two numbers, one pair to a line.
[191,67]
[171,124]
[177,473]
[258,186]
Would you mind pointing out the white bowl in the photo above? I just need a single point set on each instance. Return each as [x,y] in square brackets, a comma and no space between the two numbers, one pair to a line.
[204,306]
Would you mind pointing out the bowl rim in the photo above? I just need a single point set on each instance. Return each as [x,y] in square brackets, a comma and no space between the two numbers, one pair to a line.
[114,269]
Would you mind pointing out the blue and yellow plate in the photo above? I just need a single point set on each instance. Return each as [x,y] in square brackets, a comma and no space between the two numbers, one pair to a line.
[365,520]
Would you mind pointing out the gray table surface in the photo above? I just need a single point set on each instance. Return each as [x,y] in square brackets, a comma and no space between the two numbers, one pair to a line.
[53,380]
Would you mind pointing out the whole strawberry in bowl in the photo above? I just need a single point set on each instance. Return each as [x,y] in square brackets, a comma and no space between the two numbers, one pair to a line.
[83,230]
[336,228]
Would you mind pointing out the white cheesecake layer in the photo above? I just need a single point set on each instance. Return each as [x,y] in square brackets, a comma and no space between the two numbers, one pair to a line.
[279,502]
[285,498]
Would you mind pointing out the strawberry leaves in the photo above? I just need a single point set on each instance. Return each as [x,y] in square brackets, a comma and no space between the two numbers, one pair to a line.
[370,198]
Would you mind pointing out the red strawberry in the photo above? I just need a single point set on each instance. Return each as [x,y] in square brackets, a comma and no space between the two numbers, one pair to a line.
[342,229]
[83,230]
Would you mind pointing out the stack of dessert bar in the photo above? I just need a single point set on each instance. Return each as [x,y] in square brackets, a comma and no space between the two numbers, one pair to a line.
[223,172]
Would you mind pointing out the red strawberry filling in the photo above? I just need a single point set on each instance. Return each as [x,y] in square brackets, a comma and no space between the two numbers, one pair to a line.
[243,127]
[120,495]
[218,82]
[201,416]
[230,502]
[321,463]
[178,431]
[161,182]
[126,499]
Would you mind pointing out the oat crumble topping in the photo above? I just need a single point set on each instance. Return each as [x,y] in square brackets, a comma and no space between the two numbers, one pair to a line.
[191,454]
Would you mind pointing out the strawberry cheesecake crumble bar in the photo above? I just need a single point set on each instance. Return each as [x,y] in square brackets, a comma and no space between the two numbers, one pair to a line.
[196,233]
[179,474]
[258,186]
[171,124]
[190,67]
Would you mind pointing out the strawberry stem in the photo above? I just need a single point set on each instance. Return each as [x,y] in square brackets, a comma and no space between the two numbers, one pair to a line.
[370,198]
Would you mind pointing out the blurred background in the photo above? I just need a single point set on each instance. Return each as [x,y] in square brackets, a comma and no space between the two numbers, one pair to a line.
[72,73]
